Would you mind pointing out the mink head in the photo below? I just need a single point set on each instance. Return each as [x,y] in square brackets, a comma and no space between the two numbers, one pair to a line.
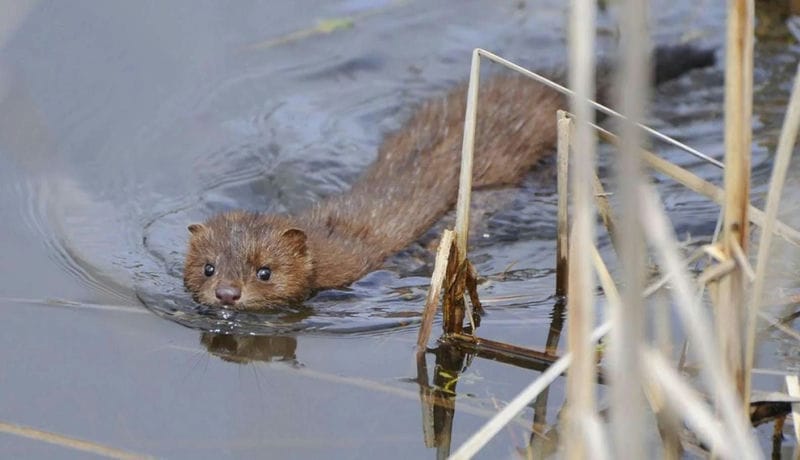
[246,261]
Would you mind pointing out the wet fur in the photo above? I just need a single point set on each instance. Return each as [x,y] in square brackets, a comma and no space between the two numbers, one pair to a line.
[412,183]
[239,243]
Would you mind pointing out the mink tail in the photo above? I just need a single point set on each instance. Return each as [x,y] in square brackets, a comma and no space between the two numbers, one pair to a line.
[670,62]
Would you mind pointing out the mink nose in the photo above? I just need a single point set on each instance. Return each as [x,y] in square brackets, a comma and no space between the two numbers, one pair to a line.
[228,295]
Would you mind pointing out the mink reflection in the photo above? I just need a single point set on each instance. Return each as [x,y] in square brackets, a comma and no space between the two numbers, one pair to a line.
[246,349]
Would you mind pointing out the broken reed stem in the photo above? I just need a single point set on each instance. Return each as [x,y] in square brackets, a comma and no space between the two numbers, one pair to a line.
[454,303]
[786,142]
[701,186]
[580,311]
[562,241]
[453,300]
[432,300]
[730,295]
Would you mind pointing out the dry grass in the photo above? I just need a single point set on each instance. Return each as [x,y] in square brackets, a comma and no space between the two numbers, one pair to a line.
[718,412]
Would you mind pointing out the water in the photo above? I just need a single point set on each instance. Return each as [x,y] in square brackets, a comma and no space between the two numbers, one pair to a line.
[120,124]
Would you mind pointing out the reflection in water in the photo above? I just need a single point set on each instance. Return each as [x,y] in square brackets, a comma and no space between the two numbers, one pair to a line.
[245,349]
[539,441]
[454,355]
[438,401]
[356,309]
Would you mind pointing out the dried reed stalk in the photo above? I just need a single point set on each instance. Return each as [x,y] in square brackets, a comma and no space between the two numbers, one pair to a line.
[459,270]
[661,236]
[580,389]
[506,415]
[432,299]
[562,240]
[627,316]
[580,317]
[467,150]
[730,298]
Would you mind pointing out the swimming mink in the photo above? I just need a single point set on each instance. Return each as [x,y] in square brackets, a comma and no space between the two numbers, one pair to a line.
[244,261]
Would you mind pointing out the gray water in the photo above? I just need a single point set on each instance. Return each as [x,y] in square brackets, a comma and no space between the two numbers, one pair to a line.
[121,123]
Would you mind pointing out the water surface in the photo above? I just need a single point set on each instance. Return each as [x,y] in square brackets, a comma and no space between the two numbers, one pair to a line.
[122,123]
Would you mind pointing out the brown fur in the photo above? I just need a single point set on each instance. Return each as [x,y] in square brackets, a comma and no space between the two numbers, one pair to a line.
[238,244]
[412,183]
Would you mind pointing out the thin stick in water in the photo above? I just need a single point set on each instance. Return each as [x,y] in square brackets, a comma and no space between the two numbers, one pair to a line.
[627,334]
[562,241]
[580,309]
[432,300]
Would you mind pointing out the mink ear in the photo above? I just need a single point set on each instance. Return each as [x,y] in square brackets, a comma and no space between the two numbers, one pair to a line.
[195,229]
[296,239]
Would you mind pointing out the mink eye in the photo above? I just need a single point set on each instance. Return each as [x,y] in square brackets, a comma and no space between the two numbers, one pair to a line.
[263,273]
[209,270]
